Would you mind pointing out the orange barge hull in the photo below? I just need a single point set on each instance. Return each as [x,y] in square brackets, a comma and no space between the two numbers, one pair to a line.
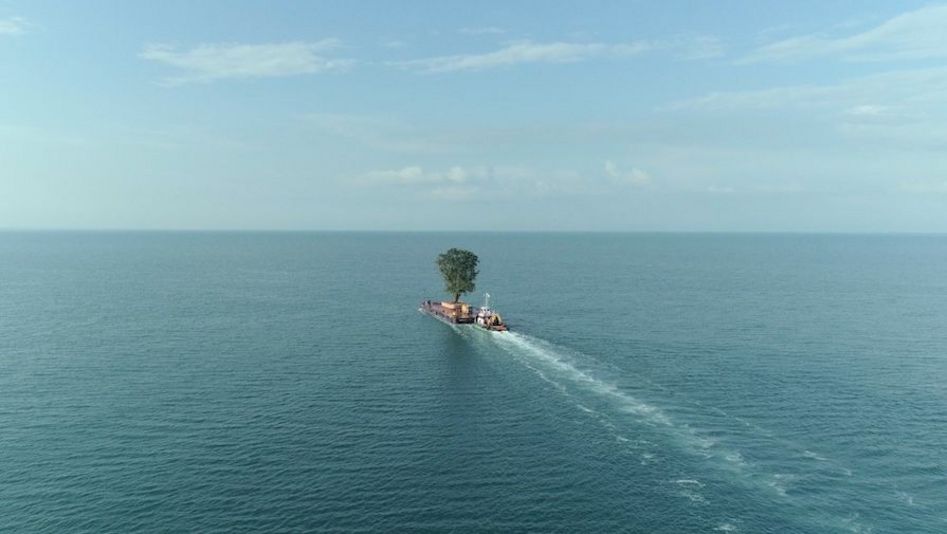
[458,314]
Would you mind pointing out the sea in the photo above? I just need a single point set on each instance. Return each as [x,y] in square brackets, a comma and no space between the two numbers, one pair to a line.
[652,383]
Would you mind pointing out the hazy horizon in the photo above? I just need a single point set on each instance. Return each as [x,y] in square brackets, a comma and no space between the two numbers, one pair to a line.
[810,117]
[458,232]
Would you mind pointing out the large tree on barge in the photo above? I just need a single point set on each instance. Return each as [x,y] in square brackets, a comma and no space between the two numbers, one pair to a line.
[459,269]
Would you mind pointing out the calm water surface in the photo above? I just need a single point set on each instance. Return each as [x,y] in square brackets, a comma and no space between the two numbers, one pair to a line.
[654,383]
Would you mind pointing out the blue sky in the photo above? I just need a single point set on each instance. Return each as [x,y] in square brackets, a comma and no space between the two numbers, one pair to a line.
[619,116]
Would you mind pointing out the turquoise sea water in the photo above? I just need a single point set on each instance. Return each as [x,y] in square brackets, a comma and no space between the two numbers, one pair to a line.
[653,383]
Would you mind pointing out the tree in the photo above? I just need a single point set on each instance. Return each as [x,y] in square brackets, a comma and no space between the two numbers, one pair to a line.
[459,268]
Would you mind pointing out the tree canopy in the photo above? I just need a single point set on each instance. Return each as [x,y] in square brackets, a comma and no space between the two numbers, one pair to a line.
[459,269]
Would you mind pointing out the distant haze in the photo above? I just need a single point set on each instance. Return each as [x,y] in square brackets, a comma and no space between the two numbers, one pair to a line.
[616,116]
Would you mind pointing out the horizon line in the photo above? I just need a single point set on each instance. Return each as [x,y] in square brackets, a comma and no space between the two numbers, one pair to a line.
[453,231]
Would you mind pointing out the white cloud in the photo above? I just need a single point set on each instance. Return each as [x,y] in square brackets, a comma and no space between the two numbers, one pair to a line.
[453,193]
[918,34]
[209,62]
[866,110]
[13,26]
[379,132]
[924,188]
[454,184]
[634,176]
[700,47]
[898,110]
[416,175]
[466,182]
[921,90]
[525,52]
[407,175]
[483,30]
[504,181]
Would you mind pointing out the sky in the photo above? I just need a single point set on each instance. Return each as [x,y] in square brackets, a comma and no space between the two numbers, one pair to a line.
[803,116]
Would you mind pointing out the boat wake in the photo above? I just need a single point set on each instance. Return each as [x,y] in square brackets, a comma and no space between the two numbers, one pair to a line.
[587,383]
[566,367]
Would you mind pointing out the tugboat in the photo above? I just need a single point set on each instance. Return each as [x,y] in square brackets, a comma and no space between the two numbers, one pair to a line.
[489,319]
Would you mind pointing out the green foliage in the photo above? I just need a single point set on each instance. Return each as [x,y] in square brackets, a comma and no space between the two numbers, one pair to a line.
[459,268]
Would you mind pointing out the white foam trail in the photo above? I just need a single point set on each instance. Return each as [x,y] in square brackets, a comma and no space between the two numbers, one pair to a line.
[690,488]
[555,360]
[906,497]
[693,496]
[780,482]
[559,367]
[689,481]
[548,356]
[853,524]
[585,408]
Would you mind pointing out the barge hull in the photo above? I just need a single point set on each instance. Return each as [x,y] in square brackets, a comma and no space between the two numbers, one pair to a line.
[461,313]
[449,316]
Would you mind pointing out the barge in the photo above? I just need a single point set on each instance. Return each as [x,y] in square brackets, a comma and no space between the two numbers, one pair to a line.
[462,313]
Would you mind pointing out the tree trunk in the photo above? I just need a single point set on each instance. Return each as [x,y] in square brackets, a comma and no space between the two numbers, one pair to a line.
[456,297]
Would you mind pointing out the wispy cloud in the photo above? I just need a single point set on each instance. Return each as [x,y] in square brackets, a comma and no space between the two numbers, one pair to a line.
[924,187]
[523,52]
[378,132]
[13,26]
[482,30]
[209,62]
[920,90]
[502,181]
[416,175]
[634,176]
[454,184]
[866,110]
[860,134]
[700,47]
[918,34]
